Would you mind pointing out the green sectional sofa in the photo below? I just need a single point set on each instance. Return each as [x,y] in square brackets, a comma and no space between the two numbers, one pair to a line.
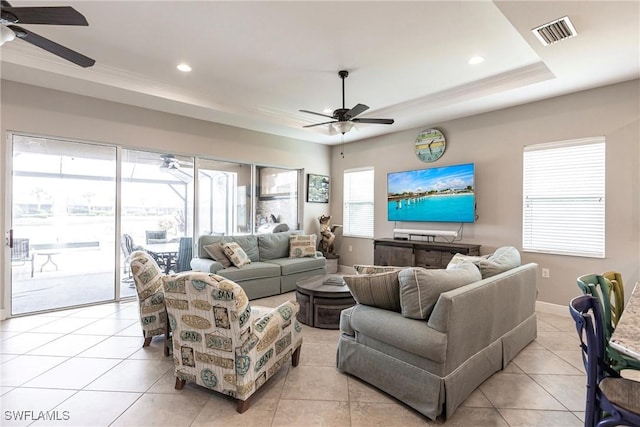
[271,271]
[434,364]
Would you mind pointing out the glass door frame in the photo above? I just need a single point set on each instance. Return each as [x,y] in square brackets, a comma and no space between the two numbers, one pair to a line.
[8,224]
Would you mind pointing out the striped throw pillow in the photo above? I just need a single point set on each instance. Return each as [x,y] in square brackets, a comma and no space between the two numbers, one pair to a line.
[380,290]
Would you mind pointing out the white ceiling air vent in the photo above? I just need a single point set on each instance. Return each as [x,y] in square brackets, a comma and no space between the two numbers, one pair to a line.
[555,31]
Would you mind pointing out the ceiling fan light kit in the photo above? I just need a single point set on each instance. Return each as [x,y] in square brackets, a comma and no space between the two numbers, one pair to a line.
[47,15]
[344,119]
[6,35]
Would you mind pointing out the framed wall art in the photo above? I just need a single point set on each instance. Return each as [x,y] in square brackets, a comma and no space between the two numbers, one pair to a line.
[317,188]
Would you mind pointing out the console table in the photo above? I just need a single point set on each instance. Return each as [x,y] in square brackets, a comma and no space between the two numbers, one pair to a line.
[414,253]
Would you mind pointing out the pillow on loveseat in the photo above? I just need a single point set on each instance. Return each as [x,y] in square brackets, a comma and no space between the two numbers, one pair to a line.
[301,245]
[216,253]
[503,259]
[373,269]
[420,288]
[458,258]
[380,290]
[236,254]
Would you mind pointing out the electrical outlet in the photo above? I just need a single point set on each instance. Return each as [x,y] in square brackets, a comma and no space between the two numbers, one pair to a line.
[545,273]
[350,248]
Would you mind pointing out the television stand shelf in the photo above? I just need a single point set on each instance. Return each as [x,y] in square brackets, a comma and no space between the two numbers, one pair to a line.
[404,253]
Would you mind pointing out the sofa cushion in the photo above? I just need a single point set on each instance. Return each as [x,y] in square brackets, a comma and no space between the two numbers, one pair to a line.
[216,253]
[372,269]
[503,259]
[302,245]
[273,246]
[420,288]
[236,254]
[254,270]
[380,290]
[391,328]
[297,265]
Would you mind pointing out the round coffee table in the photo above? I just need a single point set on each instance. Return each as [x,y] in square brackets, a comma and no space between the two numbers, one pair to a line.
[320,304]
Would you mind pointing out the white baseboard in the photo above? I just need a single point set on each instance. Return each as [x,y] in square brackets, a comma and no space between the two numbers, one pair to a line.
[556,309]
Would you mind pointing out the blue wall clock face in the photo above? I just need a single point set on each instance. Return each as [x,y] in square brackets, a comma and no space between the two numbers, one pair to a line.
[430,145]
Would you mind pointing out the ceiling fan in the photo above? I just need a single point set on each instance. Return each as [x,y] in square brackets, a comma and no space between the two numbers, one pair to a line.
[344,119]
[169,161]
[47,15]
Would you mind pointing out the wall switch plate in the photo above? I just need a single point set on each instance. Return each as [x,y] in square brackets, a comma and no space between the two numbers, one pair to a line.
[545,273]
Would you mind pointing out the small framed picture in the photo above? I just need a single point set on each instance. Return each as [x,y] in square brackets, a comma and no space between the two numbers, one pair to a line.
[317,188]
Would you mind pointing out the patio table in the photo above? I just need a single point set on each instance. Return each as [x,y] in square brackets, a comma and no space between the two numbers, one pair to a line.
[166,251]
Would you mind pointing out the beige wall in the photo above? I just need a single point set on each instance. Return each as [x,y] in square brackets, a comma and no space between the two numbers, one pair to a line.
[494,142]
[46,112]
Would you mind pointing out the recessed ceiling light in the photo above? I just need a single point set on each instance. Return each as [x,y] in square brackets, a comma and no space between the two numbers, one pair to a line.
[327,111]
[183,67]
[476,60]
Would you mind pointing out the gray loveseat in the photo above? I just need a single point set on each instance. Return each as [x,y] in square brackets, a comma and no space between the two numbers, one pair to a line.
[434,364]
[271,271]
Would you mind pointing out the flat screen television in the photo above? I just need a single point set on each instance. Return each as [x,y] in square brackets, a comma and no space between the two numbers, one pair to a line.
[444,194]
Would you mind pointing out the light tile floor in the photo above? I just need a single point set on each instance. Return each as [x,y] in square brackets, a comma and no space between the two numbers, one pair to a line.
[86,366]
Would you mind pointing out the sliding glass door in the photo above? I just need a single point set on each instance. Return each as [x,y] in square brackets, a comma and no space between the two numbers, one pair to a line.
[157,210]
[62,224]
[79,209]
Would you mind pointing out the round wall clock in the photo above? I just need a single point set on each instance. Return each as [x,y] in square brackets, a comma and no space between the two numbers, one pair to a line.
[430,145]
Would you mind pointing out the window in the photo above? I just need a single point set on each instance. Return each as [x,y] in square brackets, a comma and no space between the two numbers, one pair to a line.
[564,198]
[358,203]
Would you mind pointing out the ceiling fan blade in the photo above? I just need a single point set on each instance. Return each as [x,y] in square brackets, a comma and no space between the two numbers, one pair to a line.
[318,124]
[358,109]
[317,114]
[376,121]
[53,47]
[49,15]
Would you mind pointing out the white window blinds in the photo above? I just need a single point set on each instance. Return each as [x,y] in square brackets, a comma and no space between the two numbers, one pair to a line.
[564,198]
[358,203]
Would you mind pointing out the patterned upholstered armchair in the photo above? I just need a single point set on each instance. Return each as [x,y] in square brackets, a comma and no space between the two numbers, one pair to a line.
[148,279]
[222,343]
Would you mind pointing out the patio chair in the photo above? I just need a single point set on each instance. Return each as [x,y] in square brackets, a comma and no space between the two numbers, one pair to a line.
[221,342]
[600,288]
[611,399]
[20,253]
[185,253]
[153,314]
[156,236]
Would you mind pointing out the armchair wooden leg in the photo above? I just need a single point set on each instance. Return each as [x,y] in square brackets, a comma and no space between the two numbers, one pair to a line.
[243,405]
[147,341]
[180,383]
[295,357]
[168,340]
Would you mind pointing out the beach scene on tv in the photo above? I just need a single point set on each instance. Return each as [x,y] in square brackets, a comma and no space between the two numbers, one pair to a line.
[443,194]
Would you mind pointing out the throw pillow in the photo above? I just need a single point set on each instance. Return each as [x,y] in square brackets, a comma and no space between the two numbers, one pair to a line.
[458,258]
[420,288]
[236,254]
[380,290]
[503,259]
[216,253]
[373,269]
[301,245]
